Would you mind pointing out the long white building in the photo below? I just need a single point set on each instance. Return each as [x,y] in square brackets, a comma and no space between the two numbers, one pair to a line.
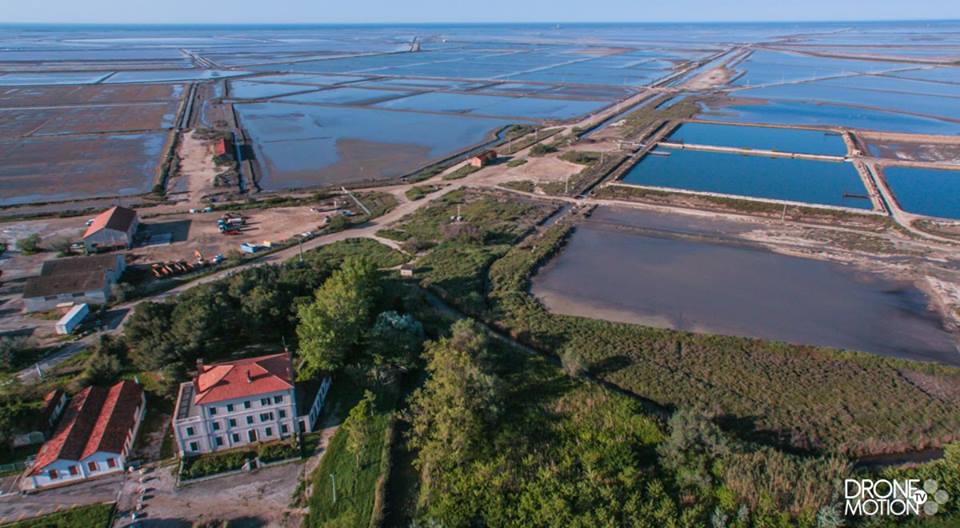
[94,437]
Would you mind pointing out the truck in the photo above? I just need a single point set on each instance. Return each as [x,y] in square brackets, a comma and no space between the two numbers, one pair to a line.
[247,247]
[69,322]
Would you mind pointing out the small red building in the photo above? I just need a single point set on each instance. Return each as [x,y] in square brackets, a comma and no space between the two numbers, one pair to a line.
[483,159]
[222,148]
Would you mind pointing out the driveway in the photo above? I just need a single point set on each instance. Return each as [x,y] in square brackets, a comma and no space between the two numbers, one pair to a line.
[13,507]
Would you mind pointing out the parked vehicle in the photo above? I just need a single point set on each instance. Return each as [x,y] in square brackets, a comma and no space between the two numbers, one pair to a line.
[69,322]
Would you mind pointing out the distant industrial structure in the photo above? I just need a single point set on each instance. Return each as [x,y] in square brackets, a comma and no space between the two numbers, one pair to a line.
[74,280]
[243,402]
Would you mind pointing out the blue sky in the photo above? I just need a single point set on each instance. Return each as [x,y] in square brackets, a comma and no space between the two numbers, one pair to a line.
[373,11]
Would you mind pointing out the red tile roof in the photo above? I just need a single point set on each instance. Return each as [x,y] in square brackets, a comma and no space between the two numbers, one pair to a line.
[243,378]
[221,147]
[97,419]
[118,218]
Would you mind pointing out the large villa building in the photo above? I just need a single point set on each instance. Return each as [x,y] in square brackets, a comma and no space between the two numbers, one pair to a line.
[243,402]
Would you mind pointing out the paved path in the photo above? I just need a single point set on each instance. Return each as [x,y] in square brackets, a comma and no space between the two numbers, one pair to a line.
[13,507]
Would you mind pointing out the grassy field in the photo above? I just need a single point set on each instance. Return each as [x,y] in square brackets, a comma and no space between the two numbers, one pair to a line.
[462,172]
[356,484]
[497,217]
[418,192]
[462,250]
[93,516]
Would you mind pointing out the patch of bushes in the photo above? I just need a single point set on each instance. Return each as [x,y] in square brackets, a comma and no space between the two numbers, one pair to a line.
[417,192]
[581,157]
[522,186]
[278,451]
[541,149]
[462,172]
[214,463]
[29,245]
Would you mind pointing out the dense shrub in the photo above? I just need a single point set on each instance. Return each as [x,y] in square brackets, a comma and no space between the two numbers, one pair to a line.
[214,463]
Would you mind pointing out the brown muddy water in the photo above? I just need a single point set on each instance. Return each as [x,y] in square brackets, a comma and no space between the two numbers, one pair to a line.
[716,287]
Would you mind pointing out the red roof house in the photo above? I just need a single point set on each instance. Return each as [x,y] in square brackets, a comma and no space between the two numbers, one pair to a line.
[93,438]
[242,402]
[112,228]
[243,378]
[483,159]
[222,147]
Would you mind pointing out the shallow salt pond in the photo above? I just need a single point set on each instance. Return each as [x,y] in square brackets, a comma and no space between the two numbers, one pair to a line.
[708,287]
[926,191]
[763,138]
[796,180]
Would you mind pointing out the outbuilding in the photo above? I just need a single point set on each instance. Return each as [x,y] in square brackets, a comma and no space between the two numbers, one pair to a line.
[74,280]
[94,438]
[111,229]
[483,159]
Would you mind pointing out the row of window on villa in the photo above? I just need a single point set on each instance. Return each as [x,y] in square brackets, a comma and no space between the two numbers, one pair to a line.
[264,402]
[232,422]
[218,441]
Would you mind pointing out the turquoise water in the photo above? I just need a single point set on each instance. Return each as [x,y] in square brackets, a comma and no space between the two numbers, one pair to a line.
[815,182]
[764,138]
[926,191]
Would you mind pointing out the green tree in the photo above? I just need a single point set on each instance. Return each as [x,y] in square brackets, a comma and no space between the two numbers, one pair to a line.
[692,450]
[148,332]
[29,245]
[359,425]
[450,413]
[106,361]
[11,348]
[573,363]
[61,246]
[333,326]
[16,416]
[395,342]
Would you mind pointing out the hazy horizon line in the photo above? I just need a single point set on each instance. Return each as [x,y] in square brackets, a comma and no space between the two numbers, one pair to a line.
[481,23]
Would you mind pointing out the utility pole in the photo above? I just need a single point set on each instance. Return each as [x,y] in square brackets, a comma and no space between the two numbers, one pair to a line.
[333,479]
[300,240]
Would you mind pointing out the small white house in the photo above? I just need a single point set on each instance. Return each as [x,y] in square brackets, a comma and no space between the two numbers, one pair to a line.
[93,439]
